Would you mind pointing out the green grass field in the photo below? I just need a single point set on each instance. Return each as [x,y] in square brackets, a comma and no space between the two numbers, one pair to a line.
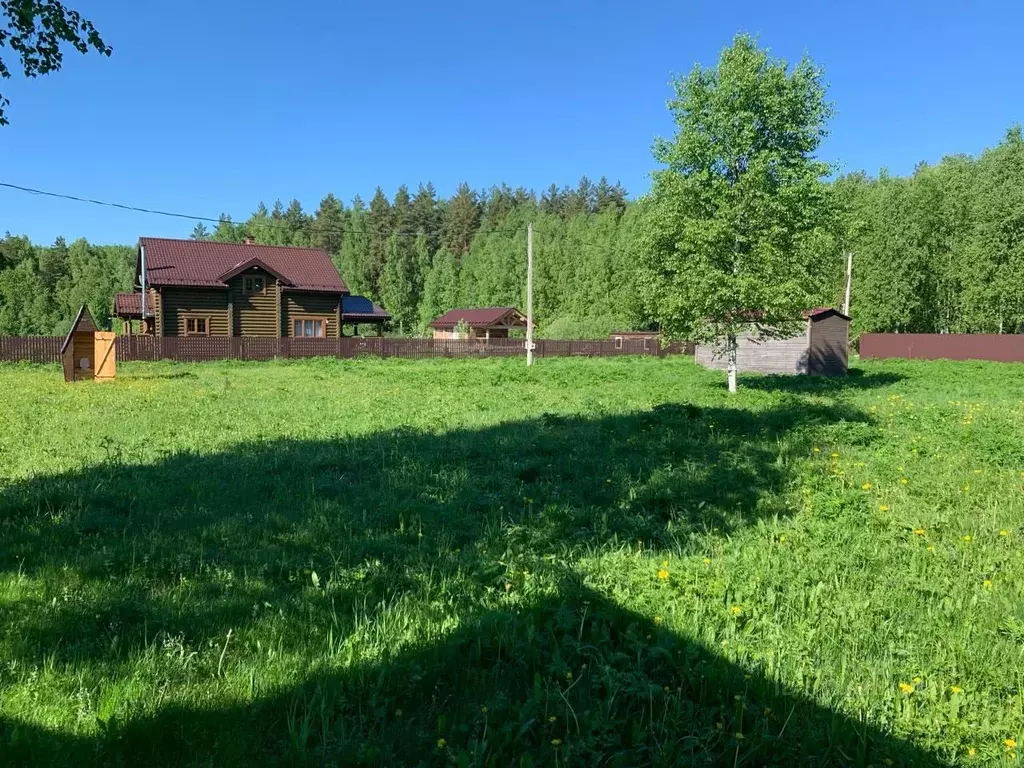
[593,562]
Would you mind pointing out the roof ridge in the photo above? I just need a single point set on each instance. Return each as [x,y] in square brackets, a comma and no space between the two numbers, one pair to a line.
[240,245]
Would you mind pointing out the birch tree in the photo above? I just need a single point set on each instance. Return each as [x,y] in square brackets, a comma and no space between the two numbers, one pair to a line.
[730,224]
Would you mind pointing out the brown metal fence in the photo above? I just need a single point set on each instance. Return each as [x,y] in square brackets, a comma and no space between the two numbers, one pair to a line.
[46,349]
[1008,348]
[31,349]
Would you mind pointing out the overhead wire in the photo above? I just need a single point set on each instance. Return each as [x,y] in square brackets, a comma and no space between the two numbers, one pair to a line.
[220,219]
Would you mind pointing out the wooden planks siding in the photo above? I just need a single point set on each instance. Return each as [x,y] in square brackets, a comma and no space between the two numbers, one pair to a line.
[255,314]
[208,302]
[829,346]
[785,356]
[297,305]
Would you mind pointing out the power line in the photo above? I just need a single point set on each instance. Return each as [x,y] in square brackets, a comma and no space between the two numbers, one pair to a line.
[269,223]
[189,217]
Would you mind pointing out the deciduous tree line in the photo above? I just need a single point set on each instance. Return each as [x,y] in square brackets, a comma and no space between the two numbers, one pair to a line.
[939,250]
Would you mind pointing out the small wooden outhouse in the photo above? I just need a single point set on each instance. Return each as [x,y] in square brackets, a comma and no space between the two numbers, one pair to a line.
[88,353]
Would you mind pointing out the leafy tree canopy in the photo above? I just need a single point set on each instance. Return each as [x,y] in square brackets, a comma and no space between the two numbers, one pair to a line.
[36,31]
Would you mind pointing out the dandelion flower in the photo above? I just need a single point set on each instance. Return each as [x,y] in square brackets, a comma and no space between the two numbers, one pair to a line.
[836,456]
[931,548]
[971,751]
[1004,532]
[736,610]
[906,688]
[987,583]
[441,743]
[916,680]
[883,507]
[866,486]
[817,449]
[967,486]
[1009,743]
[967,537]
[556,742]
[663,574]
[707,561]
[903,481]
[919,531]
[956,689]
[782,539]
[657,619]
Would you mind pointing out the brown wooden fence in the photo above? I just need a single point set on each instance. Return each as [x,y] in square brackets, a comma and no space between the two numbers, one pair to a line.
[46,349]
[1007,348]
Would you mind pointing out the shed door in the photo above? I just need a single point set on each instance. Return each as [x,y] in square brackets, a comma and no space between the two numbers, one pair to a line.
[105,357]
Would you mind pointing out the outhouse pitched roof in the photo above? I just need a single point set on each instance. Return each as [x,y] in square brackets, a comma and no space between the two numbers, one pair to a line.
[83,323]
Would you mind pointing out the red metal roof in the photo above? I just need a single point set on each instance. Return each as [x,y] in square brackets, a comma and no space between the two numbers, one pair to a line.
[204,262]
[128,304]
[474,318]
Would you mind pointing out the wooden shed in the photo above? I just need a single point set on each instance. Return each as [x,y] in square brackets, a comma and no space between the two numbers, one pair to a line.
[819,348]
[88,353]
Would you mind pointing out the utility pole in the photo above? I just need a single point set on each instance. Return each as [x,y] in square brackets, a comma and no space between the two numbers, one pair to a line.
[529,294]
[849,281]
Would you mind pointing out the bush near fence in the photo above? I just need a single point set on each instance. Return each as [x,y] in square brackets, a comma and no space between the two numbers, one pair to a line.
[46,349]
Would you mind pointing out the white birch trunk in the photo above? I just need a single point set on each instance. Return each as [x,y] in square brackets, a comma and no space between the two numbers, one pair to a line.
[732,363]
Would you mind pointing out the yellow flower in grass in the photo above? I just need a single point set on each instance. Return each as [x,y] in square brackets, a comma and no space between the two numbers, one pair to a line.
[657,619]
[931,548]
[916,680]
[968,537]
[835,455]
[817,449]
[883,507]
[906,688]
[707,561]
[1010,743]
[1004,532]
[736,610]
[663,574]
[956,689]
[987,583]
[903,481]
[919,531]
[866,487]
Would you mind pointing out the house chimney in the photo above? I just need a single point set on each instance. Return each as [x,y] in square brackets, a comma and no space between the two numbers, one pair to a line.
[249,240]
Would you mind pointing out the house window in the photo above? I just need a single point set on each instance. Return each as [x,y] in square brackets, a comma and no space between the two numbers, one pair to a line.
[253,284]
[618,342]
[309,327]
[197,326]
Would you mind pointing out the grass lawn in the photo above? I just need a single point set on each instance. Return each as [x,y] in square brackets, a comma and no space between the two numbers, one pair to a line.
[593,562]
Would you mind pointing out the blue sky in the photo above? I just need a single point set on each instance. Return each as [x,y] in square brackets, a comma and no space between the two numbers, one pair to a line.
[207,107]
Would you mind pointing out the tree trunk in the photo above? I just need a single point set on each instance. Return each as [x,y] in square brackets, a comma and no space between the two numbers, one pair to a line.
[731,341]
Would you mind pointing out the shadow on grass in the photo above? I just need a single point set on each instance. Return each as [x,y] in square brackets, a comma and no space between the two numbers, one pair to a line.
[572,680]
[857,379]
[299,546]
